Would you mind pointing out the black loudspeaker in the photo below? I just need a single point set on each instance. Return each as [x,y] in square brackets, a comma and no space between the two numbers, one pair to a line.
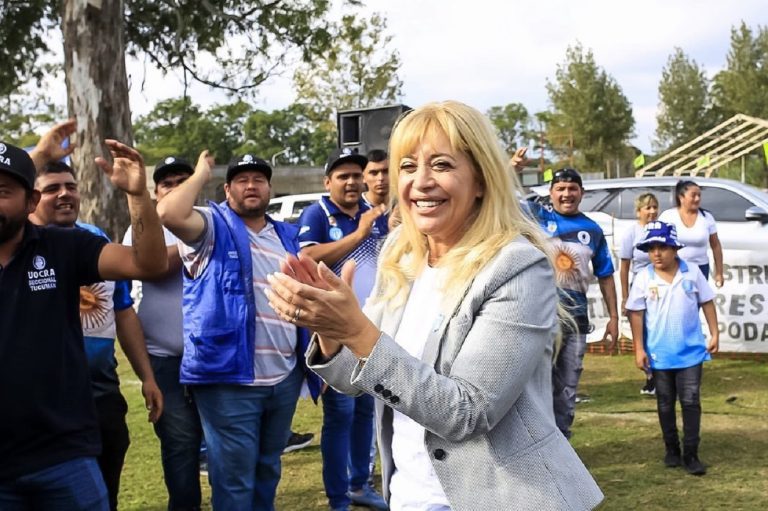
[367,128]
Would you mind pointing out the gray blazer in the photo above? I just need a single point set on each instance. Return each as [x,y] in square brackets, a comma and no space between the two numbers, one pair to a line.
[482,390]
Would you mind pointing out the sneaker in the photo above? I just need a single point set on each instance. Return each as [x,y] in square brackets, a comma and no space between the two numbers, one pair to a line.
[298,441]
[582,398]
[693,465]
[649,389]
[367,496]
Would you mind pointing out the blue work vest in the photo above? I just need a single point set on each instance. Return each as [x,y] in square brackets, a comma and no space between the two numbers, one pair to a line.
[220,309]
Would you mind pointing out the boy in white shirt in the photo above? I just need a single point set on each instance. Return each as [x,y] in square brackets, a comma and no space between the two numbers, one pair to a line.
[663,307]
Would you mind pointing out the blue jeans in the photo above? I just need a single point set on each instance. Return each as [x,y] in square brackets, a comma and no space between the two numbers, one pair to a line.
[75,485]
[685,385]
[565,379]
[246,429]
[345,444]
[180,434]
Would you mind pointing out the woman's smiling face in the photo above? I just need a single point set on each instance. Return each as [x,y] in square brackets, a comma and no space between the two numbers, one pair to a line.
[438,188]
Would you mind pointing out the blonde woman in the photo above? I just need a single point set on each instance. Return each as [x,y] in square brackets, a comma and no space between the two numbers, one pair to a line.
[633,260]
[457,340]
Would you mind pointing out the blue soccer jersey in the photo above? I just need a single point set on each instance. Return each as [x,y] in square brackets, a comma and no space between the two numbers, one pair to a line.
[324,222]
[672,328]
[578,241]
[98,303]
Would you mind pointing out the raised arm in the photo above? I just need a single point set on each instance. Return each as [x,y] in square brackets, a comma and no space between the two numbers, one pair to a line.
[146,258]
[49,148]
[330,253]
[177,209]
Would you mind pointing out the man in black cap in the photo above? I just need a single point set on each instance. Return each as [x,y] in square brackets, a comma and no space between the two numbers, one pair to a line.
[579,243]
[178,429]
[49,436]
[244,364]
[334,230]
[106,314]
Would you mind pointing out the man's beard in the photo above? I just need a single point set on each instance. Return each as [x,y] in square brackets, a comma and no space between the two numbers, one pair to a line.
[10,227]
[248,212]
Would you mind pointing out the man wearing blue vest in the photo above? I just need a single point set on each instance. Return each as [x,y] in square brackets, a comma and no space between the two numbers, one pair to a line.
[334,230]
[244,364]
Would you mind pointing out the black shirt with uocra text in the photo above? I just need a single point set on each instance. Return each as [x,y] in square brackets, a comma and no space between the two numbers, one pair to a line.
[47,414]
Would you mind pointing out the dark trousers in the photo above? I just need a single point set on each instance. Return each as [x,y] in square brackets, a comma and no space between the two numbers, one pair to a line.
[111,410]
[180,434]
[685,385]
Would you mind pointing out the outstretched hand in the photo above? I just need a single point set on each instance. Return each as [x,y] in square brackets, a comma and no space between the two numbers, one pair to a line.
[127,170]
[49,145]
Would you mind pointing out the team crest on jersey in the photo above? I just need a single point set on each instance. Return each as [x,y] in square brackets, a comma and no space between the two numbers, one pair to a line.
[335,233]
[584,237]
[551,226]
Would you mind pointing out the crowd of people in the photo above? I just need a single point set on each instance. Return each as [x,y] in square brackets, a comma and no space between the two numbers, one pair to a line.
[420,301]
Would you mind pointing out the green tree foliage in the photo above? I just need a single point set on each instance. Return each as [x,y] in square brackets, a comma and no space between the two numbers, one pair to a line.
[589,106]
[357,71]
[230,44]
[291,131]
[685,109]
[24,114]
[511,122]
[742,87]
[179,127]
[23,25]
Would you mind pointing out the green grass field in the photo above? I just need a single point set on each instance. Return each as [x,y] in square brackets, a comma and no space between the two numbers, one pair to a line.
[616,434]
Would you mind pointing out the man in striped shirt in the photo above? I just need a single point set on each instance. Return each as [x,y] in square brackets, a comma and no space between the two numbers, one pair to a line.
[243,362]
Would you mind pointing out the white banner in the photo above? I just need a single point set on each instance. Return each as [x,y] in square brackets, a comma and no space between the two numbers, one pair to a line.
[742,305]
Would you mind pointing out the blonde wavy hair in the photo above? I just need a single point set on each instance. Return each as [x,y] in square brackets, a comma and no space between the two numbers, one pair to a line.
[498,217]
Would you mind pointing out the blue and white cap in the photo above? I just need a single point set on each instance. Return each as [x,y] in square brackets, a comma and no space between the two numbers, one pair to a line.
[659,233]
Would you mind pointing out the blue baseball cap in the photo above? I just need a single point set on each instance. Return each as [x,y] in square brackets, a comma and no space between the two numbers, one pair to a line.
[659,233]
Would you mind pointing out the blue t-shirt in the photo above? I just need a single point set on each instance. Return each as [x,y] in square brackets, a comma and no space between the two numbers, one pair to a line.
[672,329]
[324,222]
[577,240]
[98,303]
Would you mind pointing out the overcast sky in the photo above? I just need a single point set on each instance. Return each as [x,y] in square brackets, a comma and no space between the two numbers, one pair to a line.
[494,52]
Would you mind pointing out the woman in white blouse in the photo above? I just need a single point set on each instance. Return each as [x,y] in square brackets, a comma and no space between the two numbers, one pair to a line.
[457,338]
[633,260]
[696,229]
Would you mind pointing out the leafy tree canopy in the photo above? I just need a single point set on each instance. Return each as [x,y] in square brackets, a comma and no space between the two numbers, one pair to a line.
[358,70]
[742,87]
[179,127]
[685,103]
[511,122]
[589,105]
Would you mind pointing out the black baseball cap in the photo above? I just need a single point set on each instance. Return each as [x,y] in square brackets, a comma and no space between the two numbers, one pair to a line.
[247,162]
[171,165]
[16,162]
[344,155]
[567,175]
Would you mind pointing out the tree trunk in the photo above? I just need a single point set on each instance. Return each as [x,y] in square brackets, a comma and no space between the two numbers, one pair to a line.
[97,96]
